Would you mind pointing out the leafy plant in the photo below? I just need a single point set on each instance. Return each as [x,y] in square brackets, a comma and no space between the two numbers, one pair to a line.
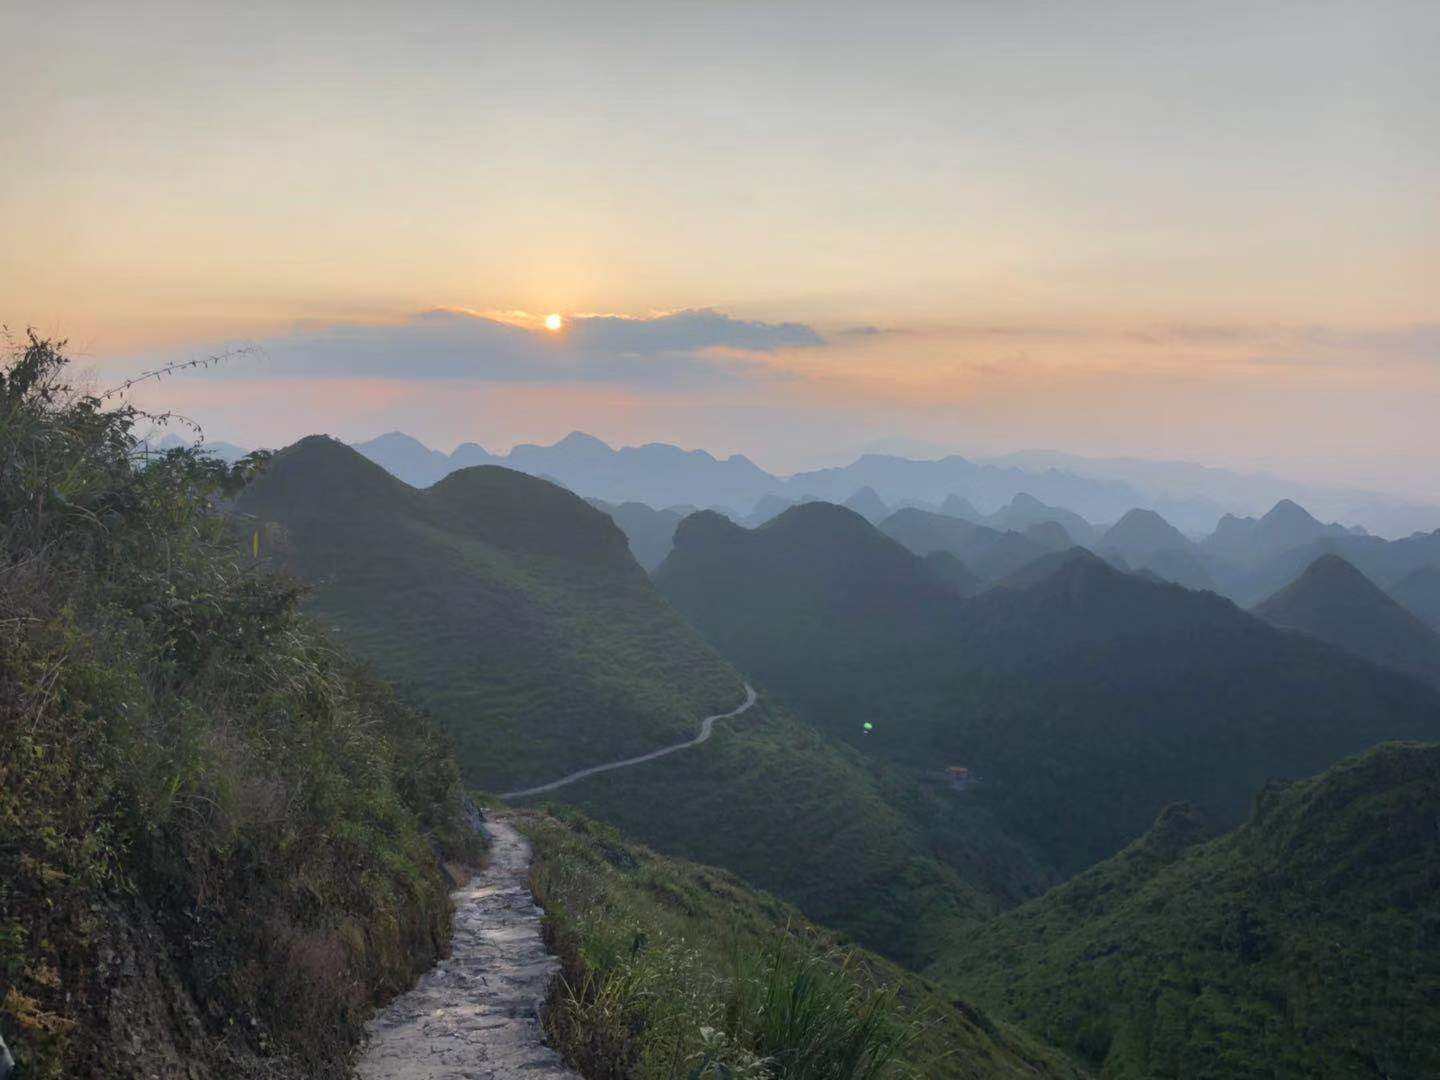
[216,828]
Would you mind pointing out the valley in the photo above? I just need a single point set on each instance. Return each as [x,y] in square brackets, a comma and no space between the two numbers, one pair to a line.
[1012,757]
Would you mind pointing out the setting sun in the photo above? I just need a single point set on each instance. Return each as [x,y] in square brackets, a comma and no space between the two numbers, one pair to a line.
[553,322]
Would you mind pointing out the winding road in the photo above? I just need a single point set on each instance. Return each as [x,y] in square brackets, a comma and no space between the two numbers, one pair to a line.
[476,1015]
[706,727]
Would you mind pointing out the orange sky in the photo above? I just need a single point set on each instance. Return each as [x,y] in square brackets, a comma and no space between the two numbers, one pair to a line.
[1203,231]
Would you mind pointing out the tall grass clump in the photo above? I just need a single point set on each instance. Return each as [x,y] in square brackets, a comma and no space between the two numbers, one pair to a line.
[805,1013]
[220,839]
[674,971]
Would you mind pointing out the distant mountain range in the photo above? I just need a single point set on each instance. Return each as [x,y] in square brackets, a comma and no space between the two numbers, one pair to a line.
[1190,497]
[223,450]
[931,506]
[1200,493]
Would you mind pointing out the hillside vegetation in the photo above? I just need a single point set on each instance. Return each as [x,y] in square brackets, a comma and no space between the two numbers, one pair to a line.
[677,970]
[219,838]
[1306,943]
[1085,700]
[1335,602]
[854,843]
[514,611]
[512,607]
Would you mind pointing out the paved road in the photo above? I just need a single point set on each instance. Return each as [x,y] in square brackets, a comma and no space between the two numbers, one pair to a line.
[706,727]
[475,1016]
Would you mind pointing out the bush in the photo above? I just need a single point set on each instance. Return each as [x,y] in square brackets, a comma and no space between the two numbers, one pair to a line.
[220,835]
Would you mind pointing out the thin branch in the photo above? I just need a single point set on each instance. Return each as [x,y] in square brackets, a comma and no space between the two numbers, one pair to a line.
[170,369]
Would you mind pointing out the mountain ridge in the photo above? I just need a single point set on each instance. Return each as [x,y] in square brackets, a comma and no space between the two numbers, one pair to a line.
[1333,601]
[1184,956]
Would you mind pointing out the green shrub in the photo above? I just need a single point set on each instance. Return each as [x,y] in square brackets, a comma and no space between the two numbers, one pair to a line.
[802,1011]
[219,835]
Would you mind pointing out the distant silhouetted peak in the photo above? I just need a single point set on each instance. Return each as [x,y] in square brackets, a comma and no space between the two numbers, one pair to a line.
[808,517]
[955,506]
[1048,567]
[704,528]
[1290,512]
[1331,581]
[1334,567]
[1143,530]
[1335,602]
[1081,568]
[393,438]
[315,449]
[580,441]
[868,504]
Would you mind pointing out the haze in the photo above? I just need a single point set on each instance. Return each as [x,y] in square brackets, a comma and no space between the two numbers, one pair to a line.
[1185,231]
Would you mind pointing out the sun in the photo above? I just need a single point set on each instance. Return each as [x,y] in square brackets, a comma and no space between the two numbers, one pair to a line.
[553,322]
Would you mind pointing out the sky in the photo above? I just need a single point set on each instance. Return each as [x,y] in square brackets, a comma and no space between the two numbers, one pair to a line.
[1206,231]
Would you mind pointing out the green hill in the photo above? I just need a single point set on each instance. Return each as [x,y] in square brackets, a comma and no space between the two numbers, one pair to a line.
[1335,602]
[813,593]
[657,950]
[1306,943]
[854,843]
[514,612]
[1085,702]
[509,605]
[221,840]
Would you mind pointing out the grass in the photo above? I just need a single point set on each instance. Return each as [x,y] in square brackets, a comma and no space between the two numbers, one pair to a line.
[790,811]
[509,606]
[219,835]
[1305,943]
[675,970]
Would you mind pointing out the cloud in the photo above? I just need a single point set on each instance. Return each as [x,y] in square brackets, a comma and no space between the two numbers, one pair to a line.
[688,331]
[684,347]
[1420,341]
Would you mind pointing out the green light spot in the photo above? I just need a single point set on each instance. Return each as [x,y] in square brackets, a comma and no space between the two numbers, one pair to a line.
[869,726]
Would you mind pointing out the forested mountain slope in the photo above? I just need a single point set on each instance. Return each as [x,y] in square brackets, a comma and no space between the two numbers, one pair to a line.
[1306,943]
[1335,602]
[1085,701]
[514,611]
[513,607]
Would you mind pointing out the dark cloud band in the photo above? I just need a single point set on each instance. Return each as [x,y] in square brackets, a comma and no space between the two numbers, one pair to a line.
[685,347]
